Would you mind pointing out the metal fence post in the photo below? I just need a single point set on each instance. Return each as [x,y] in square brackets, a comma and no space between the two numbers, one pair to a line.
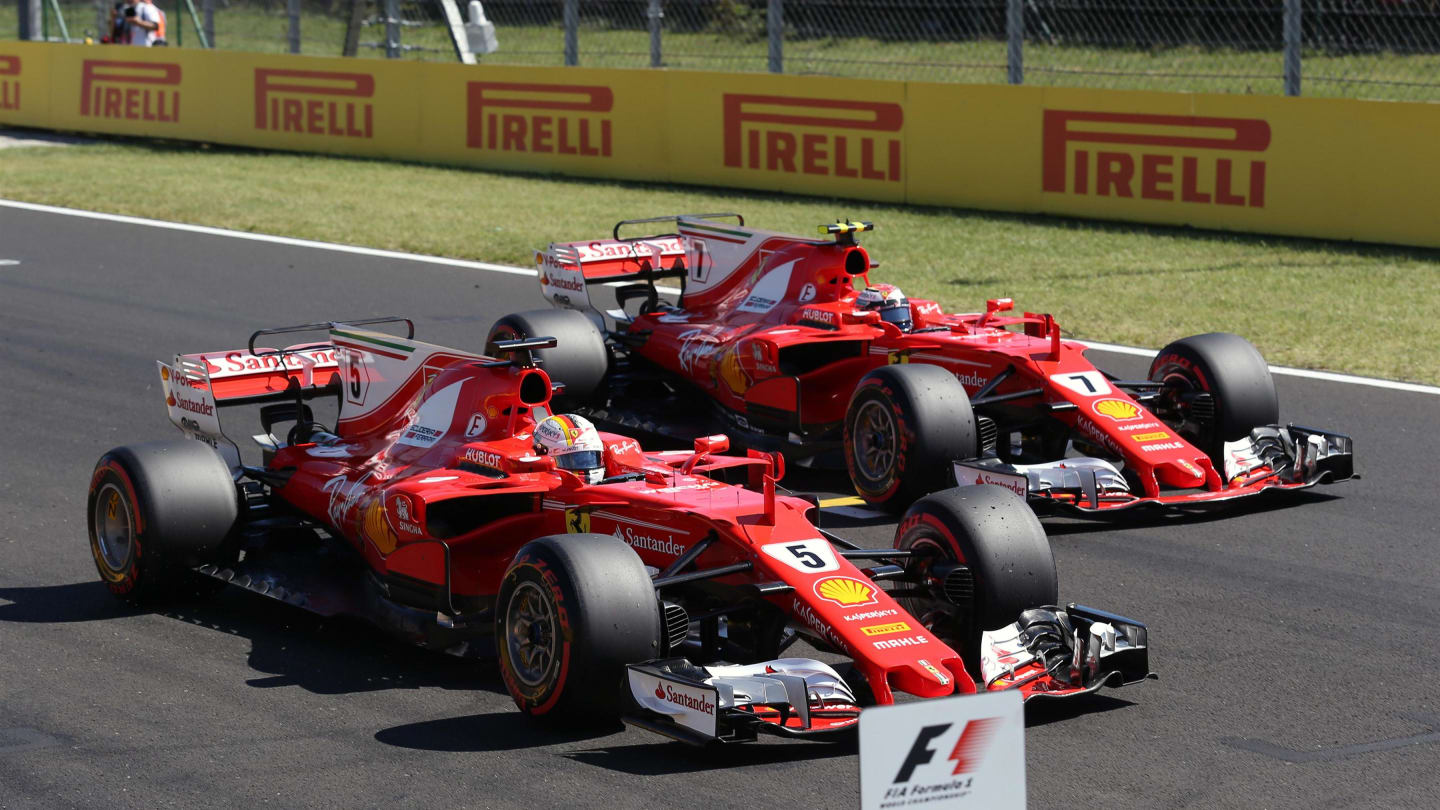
[29,19]
[392,29]
[572,32]
[210,22]
[1292,47]
[292,7]
[1015,41]
[775,25]
[655,14]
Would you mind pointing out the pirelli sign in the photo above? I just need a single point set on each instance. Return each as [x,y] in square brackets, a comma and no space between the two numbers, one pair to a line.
[130,91]
[315,102]
[521,117]
[822,137]
[9,82]
[1165,158]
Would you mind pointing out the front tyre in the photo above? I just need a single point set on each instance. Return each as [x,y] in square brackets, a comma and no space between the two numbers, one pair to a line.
[573,610]
[996,536]
[904,426]
[155,511]
[579,360]
[1217,389]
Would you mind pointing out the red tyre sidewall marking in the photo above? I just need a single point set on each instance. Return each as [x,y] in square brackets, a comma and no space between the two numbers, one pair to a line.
[542,571]
[122,582]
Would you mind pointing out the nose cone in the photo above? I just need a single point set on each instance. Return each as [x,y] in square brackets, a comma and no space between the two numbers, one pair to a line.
[1181,473]
[927,678]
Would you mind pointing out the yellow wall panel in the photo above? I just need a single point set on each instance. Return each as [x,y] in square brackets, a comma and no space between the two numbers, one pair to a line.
[1330,168]
[25,84]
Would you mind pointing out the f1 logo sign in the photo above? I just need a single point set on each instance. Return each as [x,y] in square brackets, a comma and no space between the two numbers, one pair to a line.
[759,135]
[1202,177]
[966,754]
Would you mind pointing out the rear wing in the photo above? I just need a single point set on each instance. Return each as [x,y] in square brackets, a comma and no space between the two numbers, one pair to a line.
[196,386]
[568,268]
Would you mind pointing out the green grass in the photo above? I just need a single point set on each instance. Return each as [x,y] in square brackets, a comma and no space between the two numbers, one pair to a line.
[1190,69]
[1362,309]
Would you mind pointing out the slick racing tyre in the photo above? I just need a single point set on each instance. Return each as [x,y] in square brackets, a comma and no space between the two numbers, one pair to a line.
[904,426]
[579,359]
[573,610]
[155,511]
[996,536]
[1217,389]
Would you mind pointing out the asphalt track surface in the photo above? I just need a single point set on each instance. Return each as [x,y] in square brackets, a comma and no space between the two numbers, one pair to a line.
[1296,638]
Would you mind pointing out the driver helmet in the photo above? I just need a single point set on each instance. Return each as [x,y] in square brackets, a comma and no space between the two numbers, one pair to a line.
[574,444]
[892,305]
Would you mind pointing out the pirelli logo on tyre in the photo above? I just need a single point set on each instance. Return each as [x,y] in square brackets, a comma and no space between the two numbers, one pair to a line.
[558,119]
[130,91]
[816,136]
[315,102]
[1165,158]
[9,82]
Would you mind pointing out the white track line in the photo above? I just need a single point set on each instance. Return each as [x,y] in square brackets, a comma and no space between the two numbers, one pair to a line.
[1348,379]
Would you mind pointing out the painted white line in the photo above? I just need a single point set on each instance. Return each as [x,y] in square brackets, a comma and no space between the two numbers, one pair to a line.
[274,240]
[1327,376]
[8,262]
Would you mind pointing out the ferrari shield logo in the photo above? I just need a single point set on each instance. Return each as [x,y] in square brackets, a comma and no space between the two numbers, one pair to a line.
[577,521]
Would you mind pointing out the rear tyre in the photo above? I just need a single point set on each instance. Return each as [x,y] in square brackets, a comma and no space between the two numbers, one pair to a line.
[1217,389]
[154,512]
[904,426]
[995,534]
[573,610]
[579,359]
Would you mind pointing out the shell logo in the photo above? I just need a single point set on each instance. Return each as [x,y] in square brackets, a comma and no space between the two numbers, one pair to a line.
[845,592]
[165,373]
[1117,409]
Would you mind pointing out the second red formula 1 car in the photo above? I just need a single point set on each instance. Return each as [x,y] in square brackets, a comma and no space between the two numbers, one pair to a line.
[788,343]
[451,506]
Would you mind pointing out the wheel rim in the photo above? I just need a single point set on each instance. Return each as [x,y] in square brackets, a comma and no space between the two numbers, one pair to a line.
[875,441]
[936,614]
[114,528]
[1195,430]
[531,634]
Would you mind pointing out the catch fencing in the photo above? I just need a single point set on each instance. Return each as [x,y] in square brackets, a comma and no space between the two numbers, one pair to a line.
[1385,49]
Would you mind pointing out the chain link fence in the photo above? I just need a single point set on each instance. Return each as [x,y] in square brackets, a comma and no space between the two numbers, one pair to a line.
[1387,49]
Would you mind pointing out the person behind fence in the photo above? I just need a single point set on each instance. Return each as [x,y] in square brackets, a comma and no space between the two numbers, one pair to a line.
[144,24]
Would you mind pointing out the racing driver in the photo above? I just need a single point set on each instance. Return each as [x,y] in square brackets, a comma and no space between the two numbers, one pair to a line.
[893,306]
[574,444]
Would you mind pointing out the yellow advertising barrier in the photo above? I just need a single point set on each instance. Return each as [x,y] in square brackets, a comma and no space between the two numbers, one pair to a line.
[1329,168]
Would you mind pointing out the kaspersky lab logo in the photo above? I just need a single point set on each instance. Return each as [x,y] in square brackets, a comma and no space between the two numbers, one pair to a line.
[9,82]
[1167,158]
[838,137]
[315,102]
[967,754]
[130,91]
[559,119]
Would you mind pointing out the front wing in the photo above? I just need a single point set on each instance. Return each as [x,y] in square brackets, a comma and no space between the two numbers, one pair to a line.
[1270,458]
[1048,652]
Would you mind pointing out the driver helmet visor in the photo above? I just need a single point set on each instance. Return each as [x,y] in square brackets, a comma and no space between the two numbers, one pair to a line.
[580,460]
[898,314]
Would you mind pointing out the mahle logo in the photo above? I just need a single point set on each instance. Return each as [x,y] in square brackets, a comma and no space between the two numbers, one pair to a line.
[1167,158]
[818,136]
[559,119]
[315,102]
[130,91]
[9,87]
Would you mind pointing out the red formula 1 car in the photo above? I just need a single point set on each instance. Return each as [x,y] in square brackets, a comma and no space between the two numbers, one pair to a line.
[450,506]
[785,342]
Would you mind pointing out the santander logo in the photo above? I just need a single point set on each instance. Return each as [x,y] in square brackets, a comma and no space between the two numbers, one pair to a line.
[562,283]
[667,693]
